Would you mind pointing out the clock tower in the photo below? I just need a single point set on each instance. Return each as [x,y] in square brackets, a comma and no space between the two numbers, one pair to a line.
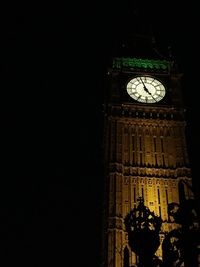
[145,149]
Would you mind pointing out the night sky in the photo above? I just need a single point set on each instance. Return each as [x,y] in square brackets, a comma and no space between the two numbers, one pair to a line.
[53,67]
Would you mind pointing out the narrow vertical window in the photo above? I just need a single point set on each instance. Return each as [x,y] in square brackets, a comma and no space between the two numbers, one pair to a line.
[160,211]
[133,148]
[133,142]
[167,201]
[162,147]
[163,159]
[134,195]
[166,193]
[158,196]
[154,142]
[140,140]
[156,161]
[140,158]
[133,155]
[142,192]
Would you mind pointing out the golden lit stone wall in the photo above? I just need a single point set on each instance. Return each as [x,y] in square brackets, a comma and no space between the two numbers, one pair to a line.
[148,142]
[146,158]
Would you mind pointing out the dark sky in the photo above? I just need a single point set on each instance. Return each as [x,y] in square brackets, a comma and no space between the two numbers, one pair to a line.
[53,64]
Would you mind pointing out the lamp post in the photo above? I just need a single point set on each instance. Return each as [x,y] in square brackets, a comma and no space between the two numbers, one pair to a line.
[143,228]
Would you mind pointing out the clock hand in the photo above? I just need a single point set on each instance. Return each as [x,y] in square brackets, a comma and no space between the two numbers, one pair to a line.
[142,82]
[152,96]
[145,89]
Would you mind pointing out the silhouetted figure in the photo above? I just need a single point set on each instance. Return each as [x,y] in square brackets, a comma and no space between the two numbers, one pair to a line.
[180,246]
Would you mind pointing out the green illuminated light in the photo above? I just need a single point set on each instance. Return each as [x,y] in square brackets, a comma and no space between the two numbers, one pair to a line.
[140,63]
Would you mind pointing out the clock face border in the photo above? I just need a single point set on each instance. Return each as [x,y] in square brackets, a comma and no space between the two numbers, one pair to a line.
[146,89]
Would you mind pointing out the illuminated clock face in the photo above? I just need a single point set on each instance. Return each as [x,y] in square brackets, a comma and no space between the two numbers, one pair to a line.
[146,89]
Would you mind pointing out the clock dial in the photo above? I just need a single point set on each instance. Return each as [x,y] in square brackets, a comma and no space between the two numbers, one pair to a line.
[146,89]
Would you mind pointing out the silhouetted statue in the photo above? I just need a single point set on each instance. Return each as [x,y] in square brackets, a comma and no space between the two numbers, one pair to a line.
[180,246]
